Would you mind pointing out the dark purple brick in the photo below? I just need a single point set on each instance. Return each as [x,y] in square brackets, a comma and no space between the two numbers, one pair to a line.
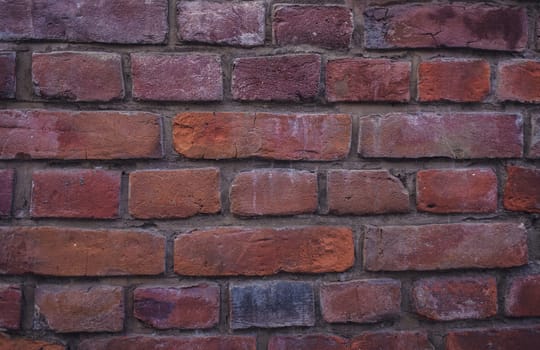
[7,74]
[6,191]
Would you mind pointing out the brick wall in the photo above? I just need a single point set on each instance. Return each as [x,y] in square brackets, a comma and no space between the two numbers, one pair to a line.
[269,175]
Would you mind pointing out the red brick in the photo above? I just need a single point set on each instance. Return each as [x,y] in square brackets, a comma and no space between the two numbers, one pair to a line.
[7,177]
[239,24]
[455,135]
[154,342]
[276,78]
[522,189]
[456,191]
[229,251]
[478,26]
[455,298]
[78,76]
[174,193]
[207,135]
[177,307]
[75,194]
[330,27]
[534,141]
[61,251]
[523,296]
[519,80]
[7,73]
[274,192]
[523,338]
[364,192]
[80,308]
[307,342]
[40,134]
[26,344]
[362,301]
[447,246]
[453,80]
[392,340]
[10,306]
[176,77]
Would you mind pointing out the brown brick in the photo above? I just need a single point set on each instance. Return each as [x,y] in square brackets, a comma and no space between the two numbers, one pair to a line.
[320,137]
[392,340]
[307,342]
[274,192]
[361,79]
[362,301]
[40,134]
[75,194]
[7,73]
[456,190]
[447,246]
[153,342]
[7,177]
[522,189]
[10,306]
[174,193]
[523,296]
[519,80]
[523,338]
[534,141]
[230,251]
[188,307]
[61,251]
[26,344]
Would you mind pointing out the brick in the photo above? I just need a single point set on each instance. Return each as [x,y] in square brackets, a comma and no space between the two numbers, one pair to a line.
[522,298]
[80,308]
[62,251]
[447,246]
[93,194]
[392,340]
[174,193]
[121,21]
[361,79]
[307,342]
[7,73]
[519,80]
[271,305]
[456,190]
[361,301]
[10,306]
[177,77]
[449,135]
[477,26]
[534,140]
[40,134]
[27,344]
[154,342]
[317,137]
[521,190]
[189,307]
[455,298]
[274,192]
[292,78]
[230,251]
[365,192]
[330,27]
[238,24]
[523,338]
[78,76]
[7,177]
[453,80]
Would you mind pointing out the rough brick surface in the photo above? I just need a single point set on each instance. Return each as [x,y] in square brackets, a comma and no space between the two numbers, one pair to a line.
[27,344]
[7,74]
[522,189]
[524,338]
[394,340]
[534,140]
[522,298]
[362,301]
[61,251]
[307,342]
[174,193]
[272,136]
[10,306]
[274,192]
[153,342]
[263,251]
[519,80]
[7,177]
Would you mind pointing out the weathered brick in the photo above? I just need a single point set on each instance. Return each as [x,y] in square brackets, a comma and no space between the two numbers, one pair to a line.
[447,246]
[392,340]
[330,27]
[61,251]
[523,296]
[189,307]
[10,306]
[455,135]
[519,80]
[7,177]
[153,342]
[276,78]
[174,193]
[361,79]
[523,338]
[453,80]
[271,304]
[522,189]
[307,342]
[40,134]
[478,26]
[7,73]
[26,344]
[455,298]
[534,140]
[364,192]
[177,77]
[274,192]
[228,251]
[239,24]
[320,137]
[80,308]
[78,76]
[456,190]
[91,194]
